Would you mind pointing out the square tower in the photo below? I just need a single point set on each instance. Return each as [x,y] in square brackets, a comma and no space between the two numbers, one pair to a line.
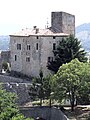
[62,22]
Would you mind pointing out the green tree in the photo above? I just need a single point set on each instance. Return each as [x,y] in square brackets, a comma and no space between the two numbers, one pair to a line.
[37,90]
[68,49]
[70,80]
[84,91]
[47,88]
[41,88]
[8,108]
[5,65]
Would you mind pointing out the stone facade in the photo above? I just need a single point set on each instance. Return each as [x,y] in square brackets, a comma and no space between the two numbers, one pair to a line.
[63,22]
[31,49]
[5,56]
[19,86]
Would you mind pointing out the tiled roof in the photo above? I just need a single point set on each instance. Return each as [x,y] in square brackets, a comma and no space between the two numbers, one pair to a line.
[37,32]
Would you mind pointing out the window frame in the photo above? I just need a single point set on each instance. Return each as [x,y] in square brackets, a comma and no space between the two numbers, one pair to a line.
[27,59]
[54,46]
[37,46]
[28,47]
[50,59]
[18,46]
[15,57]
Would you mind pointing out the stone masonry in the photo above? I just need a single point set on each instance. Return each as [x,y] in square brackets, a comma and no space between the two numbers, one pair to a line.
[32,49]
[19,86]
[62,22]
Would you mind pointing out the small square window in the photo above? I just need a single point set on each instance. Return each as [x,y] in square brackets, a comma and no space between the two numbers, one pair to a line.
[27,59]
[50,59]
[37,37]
[54,37]
[18,46]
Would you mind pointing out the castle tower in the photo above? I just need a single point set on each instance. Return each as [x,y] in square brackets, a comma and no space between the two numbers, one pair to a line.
[62,22]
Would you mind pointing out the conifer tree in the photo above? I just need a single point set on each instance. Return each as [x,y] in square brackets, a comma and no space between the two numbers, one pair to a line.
[68,49]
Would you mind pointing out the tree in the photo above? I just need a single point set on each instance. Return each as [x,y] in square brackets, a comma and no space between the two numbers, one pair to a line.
[8,108]
[70,80]
[5,65]
[84,91]
[68,49]
[41,88]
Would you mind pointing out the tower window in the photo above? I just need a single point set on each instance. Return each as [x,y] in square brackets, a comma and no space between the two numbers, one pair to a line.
[36,46]
[54,46]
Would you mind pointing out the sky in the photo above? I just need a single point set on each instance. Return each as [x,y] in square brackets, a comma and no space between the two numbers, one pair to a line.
[20,14]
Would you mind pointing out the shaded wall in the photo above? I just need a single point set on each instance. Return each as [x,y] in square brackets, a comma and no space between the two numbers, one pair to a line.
[44,112]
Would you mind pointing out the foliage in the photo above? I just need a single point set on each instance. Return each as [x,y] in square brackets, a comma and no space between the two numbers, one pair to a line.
[84,91]
[41,88]
[36,103]
[67,50]
[8,108]
[71,81]
[5,65]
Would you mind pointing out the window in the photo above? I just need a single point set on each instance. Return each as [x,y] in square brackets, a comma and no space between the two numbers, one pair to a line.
[54,37]
[36,46]
[54,46]
[28,47]
[50,59]
[27,59]
[37,37]
[15,57]
[18,46]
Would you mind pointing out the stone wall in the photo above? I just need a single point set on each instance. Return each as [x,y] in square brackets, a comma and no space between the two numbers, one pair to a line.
[18,86]
[38,58]
[43,112]
[21,88]
[63,22]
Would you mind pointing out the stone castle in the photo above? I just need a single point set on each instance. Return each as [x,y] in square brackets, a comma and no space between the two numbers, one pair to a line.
[32,49]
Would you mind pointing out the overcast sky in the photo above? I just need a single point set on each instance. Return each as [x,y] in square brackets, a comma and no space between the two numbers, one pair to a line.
[18,14]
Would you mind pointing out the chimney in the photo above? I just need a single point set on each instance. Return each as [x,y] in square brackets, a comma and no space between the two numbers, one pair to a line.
[34,27]
[37,30]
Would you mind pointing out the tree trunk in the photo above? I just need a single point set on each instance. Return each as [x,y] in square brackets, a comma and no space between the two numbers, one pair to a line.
[72,106]
[41,102]
[50,102]
[72,102]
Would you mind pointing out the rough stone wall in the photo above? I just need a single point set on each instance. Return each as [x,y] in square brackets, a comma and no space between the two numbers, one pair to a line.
[16,65]
[63,22]
[68,23]
[44,112]
[18,86]
[38,58]
[21,90]
[5,56]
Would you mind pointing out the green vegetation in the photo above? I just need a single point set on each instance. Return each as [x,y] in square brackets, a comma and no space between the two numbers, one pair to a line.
[72,81]
[41,88]
[8,108]
[5,66]
[68,49]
